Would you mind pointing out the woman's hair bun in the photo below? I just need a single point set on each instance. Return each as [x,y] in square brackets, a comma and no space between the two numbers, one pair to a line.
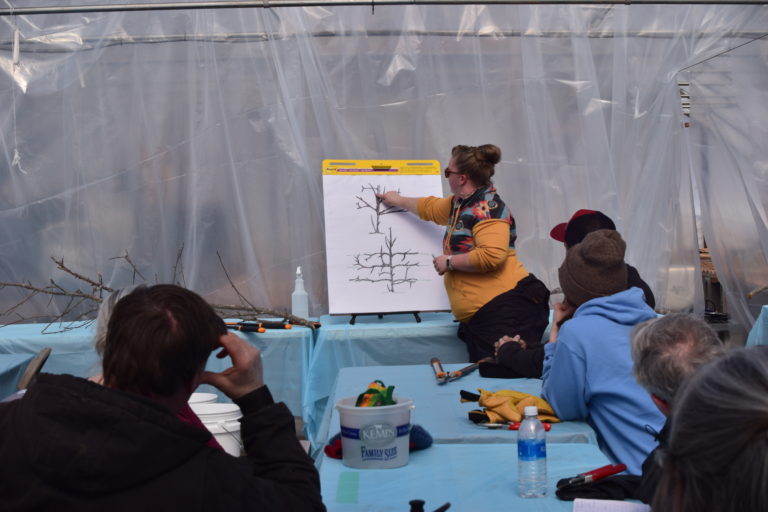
[489,153]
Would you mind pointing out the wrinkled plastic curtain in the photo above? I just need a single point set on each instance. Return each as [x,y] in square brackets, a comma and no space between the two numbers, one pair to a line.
[728,134]
[171,136]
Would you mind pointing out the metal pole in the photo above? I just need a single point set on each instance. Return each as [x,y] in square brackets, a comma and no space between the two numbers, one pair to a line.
[169,6]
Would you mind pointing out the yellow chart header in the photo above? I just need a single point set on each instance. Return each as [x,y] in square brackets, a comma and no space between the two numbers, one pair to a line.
[380,167]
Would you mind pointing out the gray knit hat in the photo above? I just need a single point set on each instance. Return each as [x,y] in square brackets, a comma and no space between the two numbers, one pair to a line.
[594,268]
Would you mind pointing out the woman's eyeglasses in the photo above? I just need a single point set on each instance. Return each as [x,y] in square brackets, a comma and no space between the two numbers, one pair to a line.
[448,172]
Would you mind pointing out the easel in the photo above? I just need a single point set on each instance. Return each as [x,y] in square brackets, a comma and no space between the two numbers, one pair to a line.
[381,315]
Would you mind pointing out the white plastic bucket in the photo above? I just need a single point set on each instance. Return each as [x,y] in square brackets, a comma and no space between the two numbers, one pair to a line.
[203,398]
[375,437]
[221,420]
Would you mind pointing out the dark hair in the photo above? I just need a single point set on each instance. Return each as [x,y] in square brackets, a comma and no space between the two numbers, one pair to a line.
[717,458]
[579,227]
[158,338]
[476,162]
[668,350]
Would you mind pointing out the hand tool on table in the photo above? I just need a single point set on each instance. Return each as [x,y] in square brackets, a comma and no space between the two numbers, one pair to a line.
[593,476]
[418,506]
[245,327]
[440,374]
[468,369]
[257,325]
[443,377]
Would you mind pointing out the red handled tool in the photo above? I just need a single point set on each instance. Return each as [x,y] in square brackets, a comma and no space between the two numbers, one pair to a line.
[594,475]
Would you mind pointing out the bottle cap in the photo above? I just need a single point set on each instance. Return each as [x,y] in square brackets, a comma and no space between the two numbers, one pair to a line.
[531,410]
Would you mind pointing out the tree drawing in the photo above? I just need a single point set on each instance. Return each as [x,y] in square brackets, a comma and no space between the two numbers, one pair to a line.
[386,265]
[377,205]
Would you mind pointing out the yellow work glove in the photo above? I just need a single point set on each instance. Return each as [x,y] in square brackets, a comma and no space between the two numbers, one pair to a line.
[509,405]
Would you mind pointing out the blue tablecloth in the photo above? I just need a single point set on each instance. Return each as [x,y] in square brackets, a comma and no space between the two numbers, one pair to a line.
[437,406]
[392,340]
[285,355]
[71,350]
[472,477]
[11,368]
[759,333]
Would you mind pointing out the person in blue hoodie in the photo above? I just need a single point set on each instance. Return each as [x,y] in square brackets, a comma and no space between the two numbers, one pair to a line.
[587,372]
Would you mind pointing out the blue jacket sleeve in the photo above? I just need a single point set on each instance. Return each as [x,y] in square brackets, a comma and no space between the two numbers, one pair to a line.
[564,378]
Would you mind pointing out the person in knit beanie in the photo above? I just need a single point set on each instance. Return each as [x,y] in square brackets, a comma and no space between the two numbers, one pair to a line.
[584,222]
[587,367]
[594,268]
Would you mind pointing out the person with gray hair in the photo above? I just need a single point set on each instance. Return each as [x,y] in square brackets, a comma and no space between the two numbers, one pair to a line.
[666,351]
[105,312]
[717,457]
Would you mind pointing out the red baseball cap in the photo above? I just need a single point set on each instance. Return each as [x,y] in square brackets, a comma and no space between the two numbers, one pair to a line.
[558,232]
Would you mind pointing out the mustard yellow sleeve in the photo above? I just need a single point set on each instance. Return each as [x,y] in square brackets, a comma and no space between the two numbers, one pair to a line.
[435,209]
[491,239]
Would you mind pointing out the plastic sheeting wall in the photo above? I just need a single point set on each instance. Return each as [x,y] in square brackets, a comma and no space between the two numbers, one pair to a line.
[148,132]
[729,130]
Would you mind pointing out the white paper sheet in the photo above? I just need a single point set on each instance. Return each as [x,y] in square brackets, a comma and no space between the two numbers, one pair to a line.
[585,505]
[379,260]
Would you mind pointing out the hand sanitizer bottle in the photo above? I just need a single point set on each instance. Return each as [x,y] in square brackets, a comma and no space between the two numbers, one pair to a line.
[299,297]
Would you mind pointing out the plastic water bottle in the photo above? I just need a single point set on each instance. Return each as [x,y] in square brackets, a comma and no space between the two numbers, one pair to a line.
[299,297]
[531,456]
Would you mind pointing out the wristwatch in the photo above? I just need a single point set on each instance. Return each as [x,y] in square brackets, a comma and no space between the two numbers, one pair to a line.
[448,263]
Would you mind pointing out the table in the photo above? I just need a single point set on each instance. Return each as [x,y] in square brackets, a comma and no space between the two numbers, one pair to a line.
[437,406]
[72,350]
[285,354]
[391,340]
[758,335]
[11,368]
[472,477]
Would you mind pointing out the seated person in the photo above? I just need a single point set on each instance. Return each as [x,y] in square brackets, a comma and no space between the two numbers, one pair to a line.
[666,351]
[717,455]
[515,359]
[586,221]
[72,444]
[489,288]
[524,359]
[587,371]
[186,413]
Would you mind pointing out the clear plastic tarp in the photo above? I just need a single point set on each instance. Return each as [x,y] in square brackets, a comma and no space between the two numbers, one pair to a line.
[182,138]
[729,130]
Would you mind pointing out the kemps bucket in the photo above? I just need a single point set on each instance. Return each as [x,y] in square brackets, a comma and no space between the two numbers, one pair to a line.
[221,420]
[375,437]
[203,398]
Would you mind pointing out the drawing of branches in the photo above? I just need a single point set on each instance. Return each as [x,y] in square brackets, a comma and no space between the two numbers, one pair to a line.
[377,205]
[386,265]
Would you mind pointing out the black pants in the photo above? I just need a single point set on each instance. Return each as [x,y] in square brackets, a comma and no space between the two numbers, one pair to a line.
[523,310]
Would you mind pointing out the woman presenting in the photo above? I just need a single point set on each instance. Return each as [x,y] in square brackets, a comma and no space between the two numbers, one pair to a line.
[491,292]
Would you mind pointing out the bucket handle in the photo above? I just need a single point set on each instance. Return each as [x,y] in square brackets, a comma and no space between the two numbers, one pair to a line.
[223,427]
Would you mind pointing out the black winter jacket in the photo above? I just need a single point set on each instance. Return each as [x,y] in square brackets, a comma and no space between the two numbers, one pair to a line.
[72,445]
